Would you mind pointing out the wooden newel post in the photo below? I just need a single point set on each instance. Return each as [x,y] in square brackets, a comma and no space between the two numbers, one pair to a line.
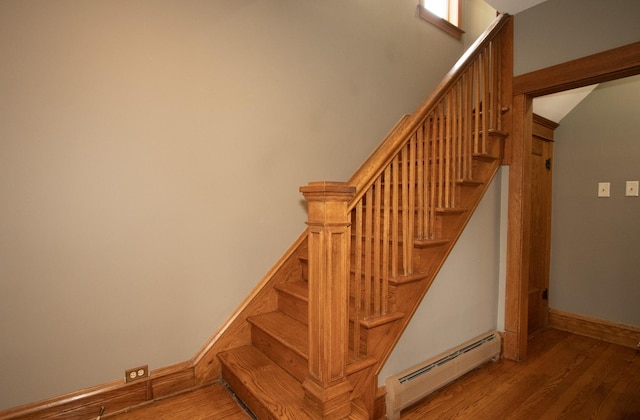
[327,390]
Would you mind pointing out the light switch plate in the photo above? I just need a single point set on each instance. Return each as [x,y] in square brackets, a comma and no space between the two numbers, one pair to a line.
[603,189]
[632,189]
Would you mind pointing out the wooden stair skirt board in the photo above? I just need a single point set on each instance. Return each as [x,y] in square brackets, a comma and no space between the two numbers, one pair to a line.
[413,384]
[611,332]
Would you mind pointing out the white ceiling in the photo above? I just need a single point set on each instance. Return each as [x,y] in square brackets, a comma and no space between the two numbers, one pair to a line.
[513,6]
[555,107]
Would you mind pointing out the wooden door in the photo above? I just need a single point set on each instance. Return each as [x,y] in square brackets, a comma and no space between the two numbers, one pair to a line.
[540,231]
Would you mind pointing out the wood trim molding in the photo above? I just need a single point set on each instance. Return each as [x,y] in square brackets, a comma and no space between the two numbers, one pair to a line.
[114,396]
[608,65]
[440,23]
[516,302]
[612,332]
[597,68]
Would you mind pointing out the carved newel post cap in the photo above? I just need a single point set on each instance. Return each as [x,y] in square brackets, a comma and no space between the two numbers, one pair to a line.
[328,191]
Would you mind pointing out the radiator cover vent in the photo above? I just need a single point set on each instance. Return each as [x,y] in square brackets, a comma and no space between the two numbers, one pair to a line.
[415,383]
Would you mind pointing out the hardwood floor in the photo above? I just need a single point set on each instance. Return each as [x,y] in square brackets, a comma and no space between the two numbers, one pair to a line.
[211,402]
[566,377]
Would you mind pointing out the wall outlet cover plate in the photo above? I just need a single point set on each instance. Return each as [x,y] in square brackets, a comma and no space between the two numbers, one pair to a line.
[631,189]
[604,189]
[136,374]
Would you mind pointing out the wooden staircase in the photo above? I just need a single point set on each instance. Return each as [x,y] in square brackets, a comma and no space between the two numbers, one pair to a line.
[267,374]
[314,335]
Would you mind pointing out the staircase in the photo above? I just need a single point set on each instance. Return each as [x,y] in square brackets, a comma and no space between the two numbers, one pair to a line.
[311,339]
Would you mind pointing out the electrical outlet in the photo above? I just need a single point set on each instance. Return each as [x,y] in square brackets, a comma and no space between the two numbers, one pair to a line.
[603,189]
[632,188]
[136,374]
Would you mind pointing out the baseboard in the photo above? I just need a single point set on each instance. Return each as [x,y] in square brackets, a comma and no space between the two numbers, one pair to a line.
[114,396]
[624,335]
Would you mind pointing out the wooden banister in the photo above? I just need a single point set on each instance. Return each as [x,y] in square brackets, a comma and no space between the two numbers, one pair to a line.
[395,201]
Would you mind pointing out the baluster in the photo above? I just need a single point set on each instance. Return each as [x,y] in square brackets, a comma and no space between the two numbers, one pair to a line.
[405,207]
[357,281]
[498,83]
[485,99]
[385,241]
[491,85]
[459,131]
[377,239]
[440,143]
[447,161]
[432,170]
[395,216]
[477,106]
[368,250]
[455,150]
[425,176]
[420,181]
[412,204]
[468,133]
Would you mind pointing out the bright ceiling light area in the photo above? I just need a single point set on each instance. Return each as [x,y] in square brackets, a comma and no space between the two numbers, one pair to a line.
[556,106]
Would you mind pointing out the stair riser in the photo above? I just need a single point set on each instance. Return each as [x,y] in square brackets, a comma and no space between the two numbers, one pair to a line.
[286,358]
[293,307]
[246,396]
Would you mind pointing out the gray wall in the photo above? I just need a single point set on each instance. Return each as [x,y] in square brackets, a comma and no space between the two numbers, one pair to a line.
[595,268]
[561,30]
[463,301]
[150,159]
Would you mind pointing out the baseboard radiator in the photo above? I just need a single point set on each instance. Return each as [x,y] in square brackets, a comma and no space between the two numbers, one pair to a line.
[415,383]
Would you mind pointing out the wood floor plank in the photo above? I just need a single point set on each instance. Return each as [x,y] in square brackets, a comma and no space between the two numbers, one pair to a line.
[624,401]
[507,395]
[212,402]
[536,405]
[591,389]
[566,376]
[472,389]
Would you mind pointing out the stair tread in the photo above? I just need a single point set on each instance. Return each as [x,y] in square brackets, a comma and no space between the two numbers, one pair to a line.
[467,181]
[485,157]
[280,393]
[408,278]
[450,210]
[298,289]
[286,330]
[426,243]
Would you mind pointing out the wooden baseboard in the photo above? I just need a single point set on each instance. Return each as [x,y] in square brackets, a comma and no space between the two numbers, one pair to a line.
[114,396]
[624,335]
